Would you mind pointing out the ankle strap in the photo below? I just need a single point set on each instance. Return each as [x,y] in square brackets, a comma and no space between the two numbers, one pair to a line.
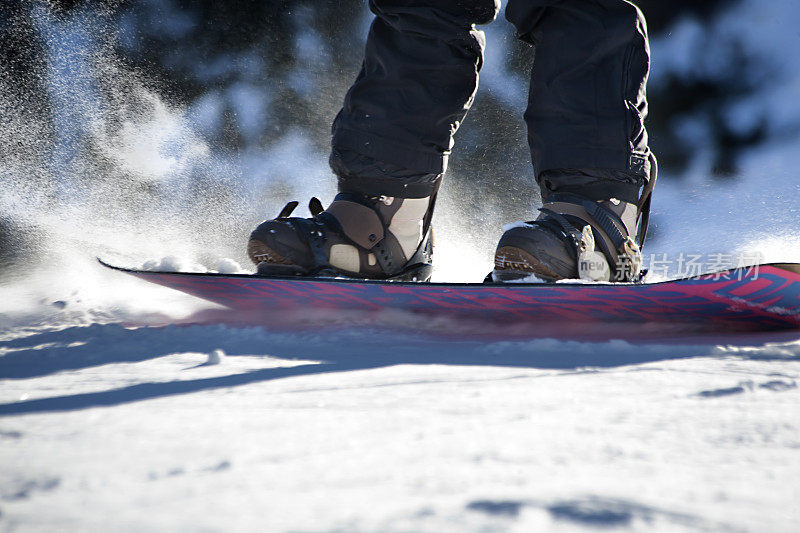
[612,230]
[358,222]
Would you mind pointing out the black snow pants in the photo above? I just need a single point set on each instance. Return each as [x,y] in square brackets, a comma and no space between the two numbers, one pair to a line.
[586,109]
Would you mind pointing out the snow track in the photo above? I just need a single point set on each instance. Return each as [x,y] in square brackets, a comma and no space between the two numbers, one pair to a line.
[130,428]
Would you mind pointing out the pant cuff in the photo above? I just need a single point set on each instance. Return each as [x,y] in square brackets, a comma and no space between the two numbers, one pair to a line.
[388,151]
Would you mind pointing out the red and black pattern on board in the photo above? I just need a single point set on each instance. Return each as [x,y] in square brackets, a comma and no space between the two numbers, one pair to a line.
[763,297]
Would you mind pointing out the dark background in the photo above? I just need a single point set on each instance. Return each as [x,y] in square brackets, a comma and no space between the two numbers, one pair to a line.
[246,73]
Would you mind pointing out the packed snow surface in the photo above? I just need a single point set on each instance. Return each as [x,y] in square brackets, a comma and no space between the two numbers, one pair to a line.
[213,427]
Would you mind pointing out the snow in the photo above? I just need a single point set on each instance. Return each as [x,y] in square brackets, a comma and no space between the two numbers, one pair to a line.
[171,263]
[517,224]
[527,279]
[250,104]
[127,407]
[105,426]
[229,266]
[215,357]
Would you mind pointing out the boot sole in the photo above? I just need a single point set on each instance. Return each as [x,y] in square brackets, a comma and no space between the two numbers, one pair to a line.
[269,262]
[258,252]
[512,263]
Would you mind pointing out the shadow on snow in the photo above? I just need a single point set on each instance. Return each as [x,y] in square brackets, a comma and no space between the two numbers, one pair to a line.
[338,349]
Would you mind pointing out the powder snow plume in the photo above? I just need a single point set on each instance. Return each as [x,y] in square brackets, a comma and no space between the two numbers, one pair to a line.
[101,165]
[109,168]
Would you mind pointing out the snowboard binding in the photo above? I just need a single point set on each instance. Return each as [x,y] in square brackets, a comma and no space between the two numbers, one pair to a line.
[357,236]
[573,238]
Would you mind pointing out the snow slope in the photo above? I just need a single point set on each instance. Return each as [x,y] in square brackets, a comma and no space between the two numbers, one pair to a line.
[108,427]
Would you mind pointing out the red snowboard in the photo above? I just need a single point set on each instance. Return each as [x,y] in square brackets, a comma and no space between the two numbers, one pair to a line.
[763,297]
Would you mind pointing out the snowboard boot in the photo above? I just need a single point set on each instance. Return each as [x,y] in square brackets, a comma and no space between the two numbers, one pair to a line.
[573,238]
[357,236]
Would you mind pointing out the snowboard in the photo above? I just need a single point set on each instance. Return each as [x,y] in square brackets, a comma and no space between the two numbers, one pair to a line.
[752,298]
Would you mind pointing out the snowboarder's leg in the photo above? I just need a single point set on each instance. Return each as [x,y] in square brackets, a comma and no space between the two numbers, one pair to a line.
[390,146]
[588,143]
[420,73]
